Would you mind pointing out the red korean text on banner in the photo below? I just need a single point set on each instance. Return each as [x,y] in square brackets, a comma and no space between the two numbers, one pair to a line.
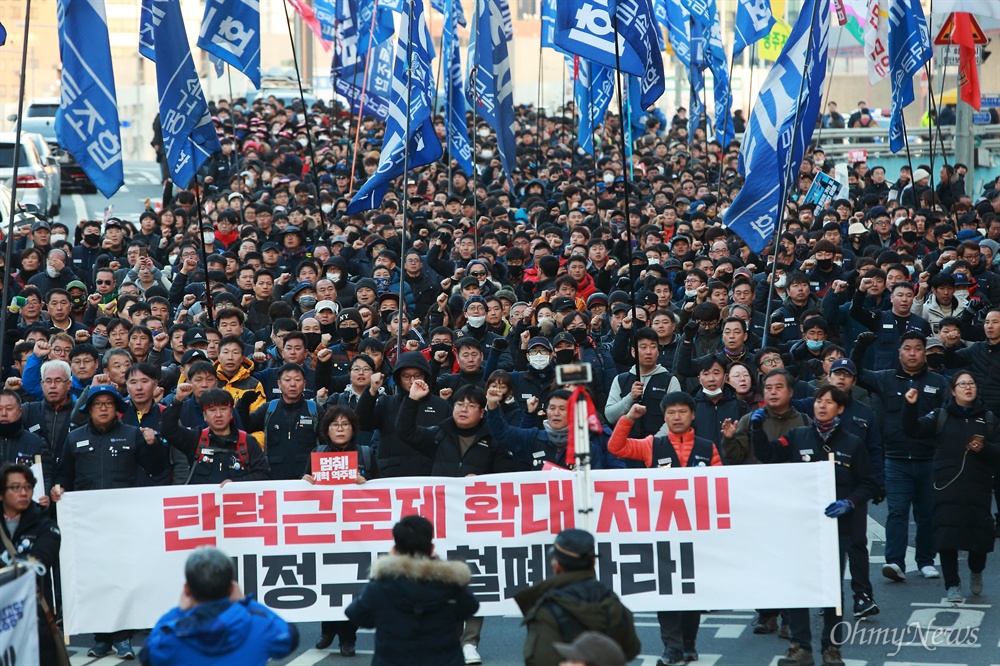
[334,467]
[968,72]
[593,423]
[855,156]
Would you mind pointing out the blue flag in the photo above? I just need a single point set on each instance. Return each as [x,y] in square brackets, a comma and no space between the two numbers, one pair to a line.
[367,92]
[150,16]
[753,22]
[230,31]
[706,27]
[548,24]
[455,6]
[679,30]
[424,146]
[372,32]
[909,49]
[87,120]
[491,80]
[696,78]
[189,138]
[585,28]
[3,35]
[773,128]
[458,132]
[593,88]
[328,13]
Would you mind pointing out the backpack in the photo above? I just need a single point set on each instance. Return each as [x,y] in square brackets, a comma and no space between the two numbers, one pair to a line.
[942,418]
[273,405]
[241,447]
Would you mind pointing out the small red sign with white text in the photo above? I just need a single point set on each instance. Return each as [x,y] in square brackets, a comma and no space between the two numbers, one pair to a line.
[333,467]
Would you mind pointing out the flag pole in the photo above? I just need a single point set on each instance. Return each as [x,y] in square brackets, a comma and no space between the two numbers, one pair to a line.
[473,82]
[627,184]
[406,170]
[201,243]
[785,184]
[236,144]
[722,153]
[437,79]
[538,102]
[314,168]
[829,86]
[13,181]
[333,70]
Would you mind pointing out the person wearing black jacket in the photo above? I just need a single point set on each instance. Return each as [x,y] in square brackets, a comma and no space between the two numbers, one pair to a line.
[289,423]
[17,445]
[461,445]
[380,413]
[220,453]
[50,417]
[855,486]
[908,461]
[964,461]
[32,533]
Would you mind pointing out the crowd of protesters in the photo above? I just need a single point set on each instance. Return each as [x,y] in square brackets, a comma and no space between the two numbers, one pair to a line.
[250,321]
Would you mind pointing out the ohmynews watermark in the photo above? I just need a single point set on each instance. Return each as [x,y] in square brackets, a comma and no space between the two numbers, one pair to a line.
[914,634]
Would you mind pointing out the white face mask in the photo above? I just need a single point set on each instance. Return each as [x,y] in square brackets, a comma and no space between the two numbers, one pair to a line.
[55,238]
[609,178]
[303,142]
[488,154]
[51,271]
[539,362]
[327,208]
[476,322]
[333,277]
[172,259]
[781,282]
[690,293]
[483,133]
[208,237]
[711,394]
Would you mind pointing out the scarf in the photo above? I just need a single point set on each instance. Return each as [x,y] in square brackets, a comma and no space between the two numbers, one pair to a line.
[826,429]
[557,437]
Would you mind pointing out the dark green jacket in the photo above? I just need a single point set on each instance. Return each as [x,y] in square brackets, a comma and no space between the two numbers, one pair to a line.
[561,607]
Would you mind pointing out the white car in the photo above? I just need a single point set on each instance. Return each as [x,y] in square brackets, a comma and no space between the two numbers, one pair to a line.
[33,181]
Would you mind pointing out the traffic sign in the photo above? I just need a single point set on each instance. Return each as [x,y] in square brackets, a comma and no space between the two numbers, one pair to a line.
[981,118]
[992,99]
[944,37]
[948,55]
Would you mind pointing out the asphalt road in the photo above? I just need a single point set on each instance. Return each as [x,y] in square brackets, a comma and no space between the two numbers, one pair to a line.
[916,625]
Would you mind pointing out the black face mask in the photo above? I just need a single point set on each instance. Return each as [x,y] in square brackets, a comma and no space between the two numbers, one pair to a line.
[579,334]
[439,347]
[312,341]
[564,356]
[79,302]
[92,239]
[349,334]
[726,278]
[503,239]
[824,264]
[935,360]
[909,236]
[515,271]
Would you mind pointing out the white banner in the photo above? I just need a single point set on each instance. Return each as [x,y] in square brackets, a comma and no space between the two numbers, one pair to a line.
[667,539]
[18,617]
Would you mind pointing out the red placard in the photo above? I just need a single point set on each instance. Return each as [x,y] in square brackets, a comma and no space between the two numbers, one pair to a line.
[548,467]
[855,156]
[335,467]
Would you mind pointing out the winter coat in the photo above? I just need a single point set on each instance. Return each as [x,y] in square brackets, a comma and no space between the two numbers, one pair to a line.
[709,416]
[738,449]
[963,480]
[565,605]
[220,633]
[890,386]
[983,360]
[415,605]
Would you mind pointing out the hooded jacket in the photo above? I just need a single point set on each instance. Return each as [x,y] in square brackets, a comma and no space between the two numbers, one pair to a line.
[241,383]
[220,633]
[414,605]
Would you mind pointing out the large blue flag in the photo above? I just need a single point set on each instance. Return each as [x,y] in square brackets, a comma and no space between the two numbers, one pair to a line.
[679,30]
[367,93]
[492,82]
[150,16]
[696,77]
[455,6]
[548,23]
[754,21]
[909,49]
[706,27]
[593,88]
[87,120]
[328,14]
[458,131]
[374,25]
[230,31]
[781,121]
[424,146]
[189,138]
[585,28]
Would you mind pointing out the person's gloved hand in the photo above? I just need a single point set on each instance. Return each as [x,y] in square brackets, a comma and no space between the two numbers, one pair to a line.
[757,419]
[865,339]
[500,344]
[879,495]
[814,365]
[839,508]
[690,329]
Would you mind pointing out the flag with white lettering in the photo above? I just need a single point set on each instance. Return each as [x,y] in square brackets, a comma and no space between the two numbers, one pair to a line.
[876,36]
[454,6]
[424,146]
[230,30]
[492,82]
[87,120]
[149,17]
[593,88]
[781,121]
[189,137]
[366,82]
[706,27]
[327,13]
[909,49]
[455,107]
[679,31]
[548,24]
[375,25]
[585,28]
[754,21]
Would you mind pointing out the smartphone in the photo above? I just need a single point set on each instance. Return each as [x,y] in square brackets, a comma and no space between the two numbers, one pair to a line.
[144,251]
[574,374]
[974,440]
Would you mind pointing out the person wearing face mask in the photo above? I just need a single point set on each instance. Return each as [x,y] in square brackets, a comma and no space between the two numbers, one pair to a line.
[57,274]
[421,280]
[598,356]
[335,270]
[85,254]
[350,326]
[476,328]
[535,381]
[805,357]
[825,270]
[715,401]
